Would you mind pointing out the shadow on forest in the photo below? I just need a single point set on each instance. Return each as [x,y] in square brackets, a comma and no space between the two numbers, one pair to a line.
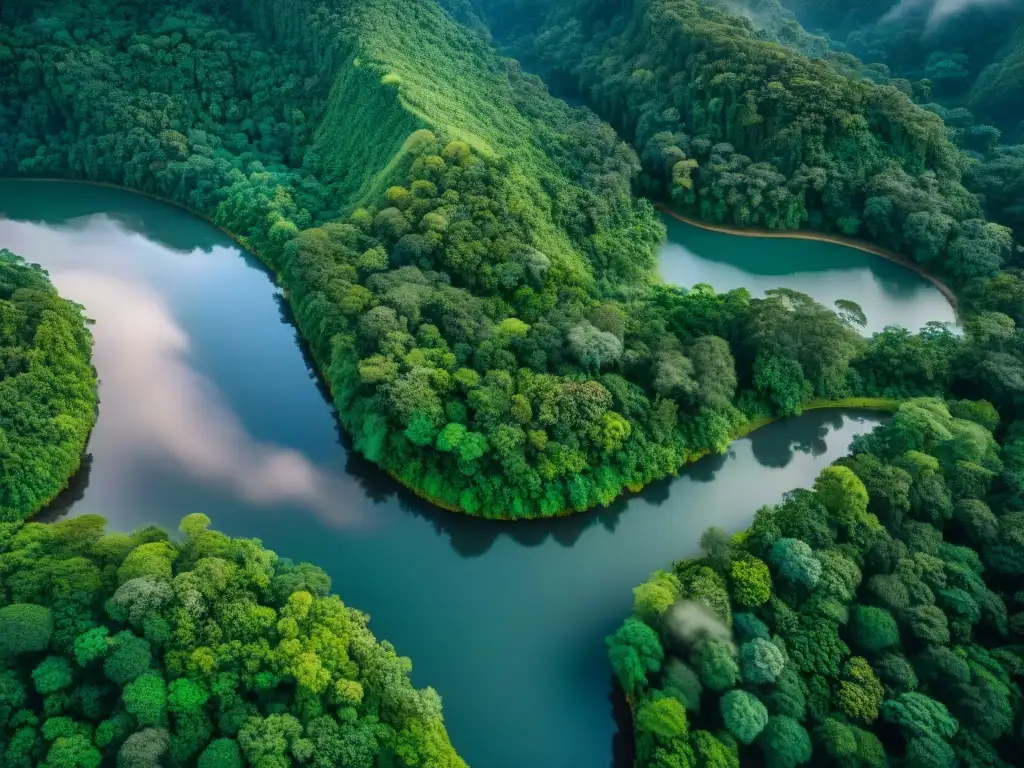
[70,496]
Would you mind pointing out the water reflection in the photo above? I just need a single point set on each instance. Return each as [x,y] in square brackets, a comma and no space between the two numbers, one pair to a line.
[155,405]
[506,620]
[774,446]
[42,202]
[623,744]
[888,293]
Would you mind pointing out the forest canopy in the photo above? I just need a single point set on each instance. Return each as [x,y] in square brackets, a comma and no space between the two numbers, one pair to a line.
[471,265]
[136,650]
[875,620]
[47,388]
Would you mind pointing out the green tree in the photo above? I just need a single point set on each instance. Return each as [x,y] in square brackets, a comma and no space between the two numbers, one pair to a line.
[145,698]
[715,662]
[745,716]
[873,629]
[24,628]
[750,581]
[785,743]
[761,661]
[53,674]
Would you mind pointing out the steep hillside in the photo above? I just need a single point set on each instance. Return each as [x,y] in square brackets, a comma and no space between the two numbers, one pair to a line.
[742,131]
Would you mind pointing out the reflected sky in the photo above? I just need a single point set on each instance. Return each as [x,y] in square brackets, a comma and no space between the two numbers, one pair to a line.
[156,406]
[207,405]
[888,293]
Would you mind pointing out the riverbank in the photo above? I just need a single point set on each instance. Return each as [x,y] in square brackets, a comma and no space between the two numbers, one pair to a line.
[241,242]
[876,404]
[847,242]
[47,351]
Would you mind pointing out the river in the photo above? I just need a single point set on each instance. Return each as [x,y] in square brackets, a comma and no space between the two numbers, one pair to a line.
[208,404]
[889,294]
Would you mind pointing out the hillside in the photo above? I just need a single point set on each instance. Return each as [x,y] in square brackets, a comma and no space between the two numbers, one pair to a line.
[465,255]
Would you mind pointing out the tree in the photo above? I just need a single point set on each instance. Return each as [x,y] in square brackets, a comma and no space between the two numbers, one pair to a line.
[873,629]
[710,752]
[130,657]
[681,680]
[145,698]
[53,674]
[635,651]
[593,348]
[781,380]
[715,544]
[24,628]
[143,749]
[714,370]
[652,598]
[74,751]
[661,726]
[716,665]
[186,696]
[796,562]
[919,715]
[785,743]
[221,753]
[750,581]
[761,661]
[843,495]
[745,716]
[860,694]
[928,623]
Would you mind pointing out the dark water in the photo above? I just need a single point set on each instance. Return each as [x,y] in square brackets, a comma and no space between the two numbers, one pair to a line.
[207,404]
[888,293]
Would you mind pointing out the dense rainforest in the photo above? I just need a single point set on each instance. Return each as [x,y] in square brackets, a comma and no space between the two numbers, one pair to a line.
[874,620]
[741,117]
[470,265]
[47,389]
[135,650]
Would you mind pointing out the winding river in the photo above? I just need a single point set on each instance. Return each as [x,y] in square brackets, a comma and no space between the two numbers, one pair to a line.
[889,294]
[208,404]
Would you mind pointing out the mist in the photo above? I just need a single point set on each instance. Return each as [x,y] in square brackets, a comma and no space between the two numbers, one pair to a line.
[689,621]
[940,11]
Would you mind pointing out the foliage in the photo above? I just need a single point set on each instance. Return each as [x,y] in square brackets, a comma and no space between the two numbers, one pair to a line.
[936,683]
[734,128]
[235,657]
[750,582]
[468,264]
[47,388]
[744,715]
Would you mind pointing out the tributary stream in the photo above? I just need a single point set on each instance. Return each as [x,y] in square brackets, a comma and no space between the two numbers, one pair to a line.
[208,405]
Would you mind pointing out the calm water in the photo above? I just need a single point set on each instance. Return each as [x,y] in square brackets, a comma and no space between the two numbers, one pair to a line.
[208,405]
[888,293]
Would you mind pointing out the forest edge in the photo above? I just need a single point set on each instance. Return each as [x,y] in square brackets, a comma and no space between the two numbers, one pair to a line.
[877,404]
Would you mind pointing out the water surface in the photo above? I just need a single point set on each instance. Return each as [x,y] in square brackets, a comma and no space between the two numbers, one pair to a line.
[207,404]
[889,293]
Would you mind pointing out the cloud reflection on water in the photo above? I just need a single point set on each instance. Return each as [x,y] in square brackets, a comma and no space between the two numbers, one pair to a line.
[153,402]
